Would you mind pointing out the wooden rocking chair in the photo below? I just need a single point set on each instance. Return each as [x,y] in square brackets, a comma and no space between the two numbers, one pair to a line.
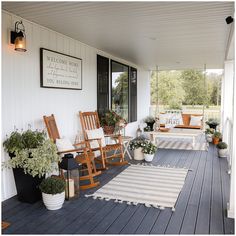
[86,156]
[90,121]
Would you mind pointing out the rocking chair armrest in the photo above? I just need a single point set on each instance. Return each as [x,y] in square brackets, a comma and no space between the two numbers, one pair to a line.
[72,150]
[80,143]
[92,139]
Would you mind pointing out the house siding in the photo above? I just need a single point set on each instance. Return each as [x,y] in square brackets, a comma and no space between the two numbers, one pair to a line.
[24,102]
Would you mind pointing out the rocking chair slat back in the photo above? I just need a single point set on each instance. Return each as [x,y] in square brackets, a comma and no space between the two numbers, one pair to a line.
[51,125]
[89,121]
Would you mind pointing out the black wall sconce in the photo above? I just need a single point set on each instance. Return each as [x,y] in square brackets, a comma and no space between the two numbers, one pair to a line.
[229,20]
[18,37]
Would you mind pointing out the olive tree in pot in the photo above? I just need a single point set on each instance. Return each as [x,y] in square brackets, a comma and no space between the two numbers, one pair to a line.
[222,149]
[53,192]
[32,156]
[149,151]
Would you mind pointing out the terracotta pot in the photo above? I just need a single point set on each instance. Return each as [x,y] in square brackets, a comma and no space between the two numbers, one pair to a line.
[215,140]
[108,129]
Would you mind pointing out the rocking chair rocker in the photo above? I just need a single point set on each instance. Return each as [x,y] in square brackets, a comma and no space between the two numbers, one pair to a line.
[89,122]
[85,156]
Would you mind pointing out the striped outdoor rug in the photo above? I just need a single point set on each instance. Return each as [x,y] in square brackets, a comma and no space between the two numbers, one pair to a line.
[150,185]
[179,144]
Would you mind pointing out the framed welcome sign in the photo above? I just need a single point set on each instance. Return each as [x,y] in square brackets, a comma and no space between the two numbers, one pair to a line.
[58,70]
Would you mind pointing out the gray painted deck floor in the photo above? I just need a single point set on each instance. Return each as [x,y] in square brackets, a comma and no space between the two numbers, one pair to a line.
[200,209]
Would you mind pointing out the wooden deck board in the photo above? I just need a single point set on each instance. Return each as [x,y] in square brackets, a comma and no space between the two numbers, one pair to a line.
[200,207]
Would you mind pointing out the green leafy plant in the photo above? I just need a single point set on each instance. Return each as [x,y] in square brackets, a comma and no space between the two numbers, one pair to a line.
[222,145]
[32,152]
[149,148]
[212,121]
[217,134]
[52,185]
[209,131]
[149,119]
[110,118]
[138,142]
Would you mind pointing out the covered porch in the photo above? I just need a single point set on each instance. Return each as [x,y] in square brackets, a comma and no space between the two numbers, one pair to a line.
[141,36]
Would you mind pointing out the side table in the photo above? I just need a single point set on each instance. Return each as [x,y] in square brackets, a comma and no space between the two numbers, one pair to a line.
[126,140]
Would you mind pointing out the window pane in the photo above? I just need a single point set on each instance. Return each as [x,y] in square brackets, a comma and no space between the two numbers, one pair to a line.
[120,89]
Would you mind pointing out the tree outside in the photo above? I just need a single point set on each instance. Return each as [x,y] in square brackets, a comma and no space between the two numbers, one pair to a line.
[186,89]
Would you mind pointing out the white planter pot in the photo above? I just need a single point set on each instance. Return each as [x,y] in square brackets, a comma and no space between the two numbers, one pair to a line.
[53,202]
[148,157]
[209,138]
[138,154]
[222,152]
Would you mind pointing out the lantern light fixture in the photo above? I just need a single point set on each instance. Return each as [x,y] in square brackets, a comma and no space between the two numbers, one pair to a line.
[18,37]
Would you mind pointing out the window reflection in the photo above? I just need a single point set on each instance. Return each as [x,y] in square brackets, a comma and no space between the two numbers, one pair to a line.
[120,89]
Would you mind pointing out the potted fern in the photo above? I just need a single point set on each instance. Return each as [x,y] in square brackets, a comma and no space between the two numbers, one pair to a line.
[149,151]
[32,156]
[53,192]
[222,149]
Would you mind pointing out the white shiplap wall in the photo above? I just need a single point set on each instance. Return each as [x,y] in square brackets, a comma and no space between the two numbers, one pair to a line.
[24,102]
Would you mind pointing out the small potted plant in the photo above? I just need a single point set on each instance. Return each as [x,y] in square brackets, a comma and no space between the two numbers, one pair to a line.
[109,120]
[32,156]
[53,192]
[149,150]
[212,123]
[149,120]
[137,145]
[216,137]
[209,133]
[222,149]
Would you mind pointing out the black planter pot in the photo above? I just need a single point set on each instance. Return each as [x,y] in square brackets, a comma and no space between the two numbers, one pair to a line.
[150,125]
[27,186]
[212,126]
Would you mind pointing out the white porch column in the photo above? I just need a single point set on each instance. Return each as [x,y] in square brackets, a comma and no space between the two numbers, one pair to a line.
[228,119]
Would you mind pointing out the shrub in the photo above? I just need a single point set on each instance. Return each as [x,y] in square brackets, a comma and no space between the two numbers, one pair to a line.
[52,185]
[222,145]
[32,152]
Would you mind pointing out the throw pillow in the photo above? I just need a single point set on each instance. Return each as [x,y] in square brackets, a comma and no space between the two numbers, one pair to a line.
[177,119]
[196,121]
[64,144]
[96,133]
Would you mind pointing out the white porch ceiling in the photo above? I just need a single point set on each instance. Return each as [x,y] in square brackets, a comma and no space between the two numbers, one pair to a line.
[171,35]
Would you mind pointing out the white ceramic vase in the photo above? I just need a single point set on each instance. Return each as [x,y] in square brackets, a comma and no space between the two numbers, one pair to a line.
[138,154]
[53,201]
[222,152]
[148,157]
